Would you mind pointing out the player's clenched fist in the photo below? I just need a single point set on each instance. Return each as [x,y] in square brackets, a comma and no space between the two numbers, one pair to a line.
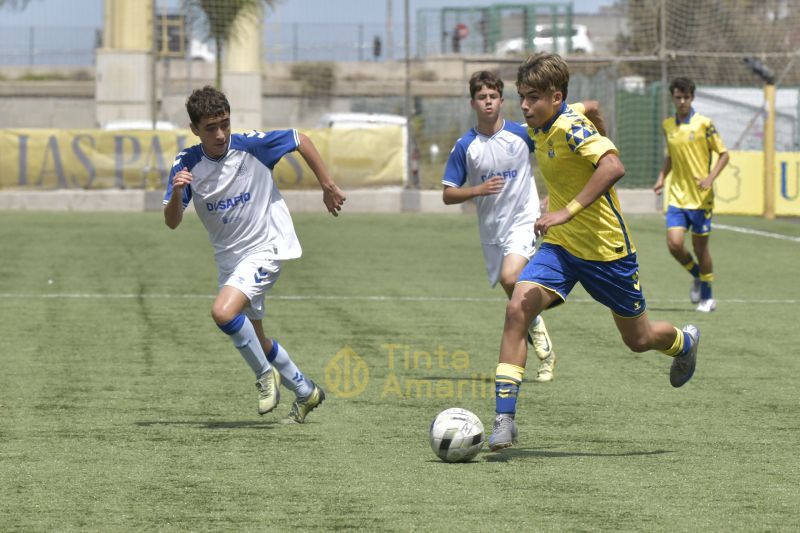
[181,179]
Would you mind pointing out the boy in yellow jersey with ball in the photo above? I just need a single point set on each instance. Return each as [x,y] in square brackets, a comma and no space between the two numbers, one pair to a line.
[586,240]
[691,138]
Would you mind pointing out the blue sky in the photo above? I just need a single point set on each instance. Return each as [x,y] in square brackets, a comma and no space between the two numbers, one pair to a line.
[89,13]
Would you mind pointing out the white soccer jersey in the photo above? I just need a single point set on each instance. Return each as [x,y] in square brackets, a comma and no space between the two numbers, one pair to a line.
[237,200]
[476,158]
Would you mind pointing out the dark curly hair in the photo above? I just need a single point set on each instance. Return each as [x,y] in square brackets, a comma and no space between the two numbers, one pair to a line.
[206,103]
[484,78]
[685,85]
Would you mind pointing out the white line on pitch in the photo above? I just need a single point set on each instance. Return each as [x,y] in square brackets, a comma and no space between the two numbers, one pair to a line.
[760,233]
[98,296]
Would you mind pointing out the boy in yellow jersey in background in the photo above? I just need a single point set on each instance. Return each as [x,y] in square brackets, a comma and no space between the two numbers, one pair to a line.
[586,240]
[691,138]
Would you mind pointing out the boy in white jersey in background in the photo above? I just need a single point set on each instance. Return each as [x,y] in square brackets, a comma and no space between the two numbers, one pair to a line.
[586,241]
[229,179]
[492,164]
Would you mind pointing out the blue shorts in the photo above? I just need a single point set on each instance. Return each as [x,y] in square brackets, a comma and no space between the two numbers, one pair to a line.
[699,220]
[614,284]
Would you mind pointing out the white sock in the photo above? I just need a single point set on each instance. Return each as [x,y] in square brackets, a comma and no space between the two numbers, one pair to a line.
[243,335]
[292,377]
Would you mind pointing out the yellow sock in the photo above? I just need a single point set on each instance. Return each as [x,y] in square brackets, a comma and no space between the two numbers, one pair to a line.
[677,346]
[509,373]
[690,265]
[708,278]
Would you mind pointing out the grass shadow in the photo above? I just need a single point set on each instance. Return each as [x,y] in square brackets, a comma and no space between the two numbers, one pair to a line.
[212,424]
[512,453]
[660,309]
[484,379]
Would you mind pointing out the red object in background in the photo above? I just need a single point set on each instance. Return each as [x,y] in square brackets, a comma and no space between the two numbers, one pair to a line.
[462,30]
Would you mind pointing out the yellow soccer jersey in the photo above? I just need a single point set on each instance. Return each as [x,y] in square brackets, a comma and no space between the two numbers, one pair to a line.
[578,107]
[567,150]
[689,145]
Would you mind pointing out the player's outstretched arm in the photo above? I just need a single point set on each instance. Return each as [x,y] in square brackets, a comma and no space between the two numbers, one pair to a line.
[332,195]
[665,169]
[609,171]
[173,211]
[457,195]
[592,112]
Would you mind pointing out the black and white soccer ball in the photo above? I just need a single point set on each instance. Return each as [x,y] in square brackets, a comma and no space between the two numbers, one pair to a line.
[456,435]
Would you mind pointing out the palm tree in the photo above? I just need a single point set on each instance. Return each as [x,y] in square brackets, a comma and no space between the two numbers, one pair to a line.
[220,20]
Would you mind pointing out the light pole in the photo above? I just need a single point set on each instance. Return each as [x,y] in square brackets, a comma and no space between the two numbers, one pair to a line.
[766,74]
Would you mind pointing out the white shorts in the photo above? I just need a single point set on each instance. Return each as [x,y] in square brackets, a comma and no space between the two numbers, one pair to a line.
[254,276]
[519,242]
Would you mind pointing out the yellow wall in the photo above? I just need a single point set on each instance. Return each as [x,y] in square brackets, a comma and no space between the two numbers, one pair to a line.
[787,184]
[356,157]
[97,159]
[740,187]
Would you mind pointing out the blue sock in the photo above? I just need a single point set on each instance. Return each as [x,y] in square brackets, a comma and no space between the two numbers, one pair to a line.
[705,290]
[506,388]
[243,335]
[687,343]
[291,376]
[692,267]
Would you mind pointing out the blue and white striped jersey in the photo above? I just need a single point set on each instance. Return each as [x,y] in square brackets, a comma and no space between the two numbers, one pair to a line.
[236,198]
[476,158]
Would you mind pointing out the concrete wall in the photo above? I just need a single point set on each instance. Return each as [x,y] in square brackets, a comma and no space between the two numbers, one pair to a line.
[47,104]
[71,103]
[47,112]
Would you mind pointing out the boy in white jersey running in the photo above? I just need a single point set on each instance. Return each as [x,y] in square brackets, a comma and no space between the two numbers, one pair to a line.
[229,179]
[492,163]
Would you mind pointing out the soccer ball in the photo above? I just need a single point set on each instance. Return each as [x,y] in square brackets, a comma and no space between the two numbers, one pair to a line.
[456,435]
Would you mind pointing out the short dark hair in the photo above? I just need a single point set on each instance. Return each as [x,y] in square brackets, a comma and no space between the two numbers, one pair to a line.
[544,72]
[683,84]
[206,103]
[484,78]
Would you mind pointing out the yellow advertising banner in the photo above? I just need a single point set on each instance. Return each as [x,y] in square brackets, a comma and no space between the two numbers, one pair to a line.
[787,188]
[142,159]
[739,190]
